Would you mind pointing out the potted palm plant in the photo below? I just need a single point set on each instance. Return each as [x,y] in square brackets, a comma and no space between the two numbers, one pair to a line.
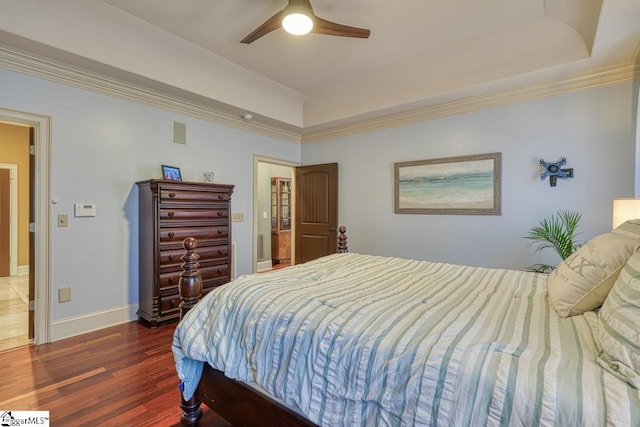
[558,233]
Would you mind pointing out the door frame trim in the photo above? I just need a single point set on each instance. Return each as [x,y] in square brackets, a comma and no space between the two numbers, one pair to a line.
[42,176]
[254,233]
[13,213]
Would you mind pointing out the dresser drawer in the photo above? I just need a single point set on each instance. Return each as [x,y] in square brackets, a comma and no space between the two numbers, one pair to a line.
[171,257]
[212,284]
[177,214]
[174,256]
[169,280]
[169,303]
[168,195]
[212,252]
[215,272]
[178,234]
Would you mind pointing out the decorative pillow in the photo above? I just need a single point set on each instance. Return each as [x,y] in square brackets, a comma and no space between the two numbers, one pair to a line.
[582,281]
[629,228]
[619,318]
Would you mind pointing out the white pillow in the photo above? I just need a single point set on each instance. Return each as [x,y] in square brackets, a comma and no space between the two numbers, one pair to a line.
[618,319]
[582,281]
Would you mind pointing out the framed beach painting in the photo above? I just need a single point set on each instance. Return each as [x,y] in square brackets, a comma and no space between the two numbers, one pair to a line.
[464,185]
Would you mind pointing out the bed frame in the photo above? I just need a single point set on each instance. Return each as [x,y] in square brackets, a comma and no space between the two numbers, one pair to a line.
[235,401]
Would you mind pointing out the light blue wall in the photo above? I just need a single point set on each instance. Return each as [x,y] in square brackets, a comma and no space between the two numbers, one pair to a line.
[594,129]
[100,147]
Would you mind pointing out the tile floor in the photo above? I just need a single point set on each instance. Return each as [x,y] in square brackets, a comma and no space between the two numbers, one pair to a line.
[14,311]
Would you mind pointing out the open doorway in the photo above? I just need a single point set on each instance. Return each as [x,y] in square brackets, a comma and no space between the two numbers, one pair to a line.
[34,271]
[273,213]
[14,236]
[8,212]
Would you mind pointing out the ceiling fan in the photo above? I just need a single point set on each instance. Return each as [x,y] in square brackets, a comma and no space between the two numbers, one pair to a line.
[299,15]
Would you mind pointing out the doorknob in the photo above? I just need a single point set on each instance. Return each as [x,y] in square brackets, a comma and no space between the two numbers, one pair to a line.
[332,229]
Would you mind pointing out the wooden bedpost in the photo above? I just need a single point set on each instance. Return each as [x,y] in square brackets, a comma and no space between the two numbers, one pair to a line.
[190,283]
[190,288]
[342,240]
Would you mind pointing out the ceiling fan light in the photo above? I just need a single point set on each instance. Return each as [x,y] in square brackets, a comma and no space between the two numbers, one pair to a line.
[297,24]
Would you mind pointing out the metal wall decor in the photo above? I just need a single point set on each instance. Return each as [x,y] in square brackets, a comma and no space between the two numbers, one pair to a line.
[555,171]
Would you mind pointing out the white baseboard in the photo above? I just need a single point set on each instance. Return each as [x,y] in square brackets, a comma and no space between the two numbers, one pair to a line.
[23,269]
[72,326]
[264,265]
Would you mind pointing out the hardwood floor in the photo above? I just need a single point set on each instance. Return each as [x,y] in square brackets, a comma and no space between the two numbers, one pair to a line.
[122,375]
[280,265]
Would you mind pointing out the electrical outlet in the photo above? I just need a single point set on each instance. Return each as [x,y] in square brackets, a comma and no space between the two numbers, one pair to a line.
[237,217]
[64,294]
[63,220]
[207,176]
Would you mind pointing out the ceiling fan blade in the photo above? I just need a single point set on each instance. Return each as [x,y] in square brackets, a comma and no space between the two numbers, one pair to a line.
[270,24]
[322,26]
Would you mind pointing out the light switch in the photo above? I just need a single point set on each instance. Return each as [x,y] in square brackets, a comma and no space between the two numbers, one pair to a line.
[63,220]
[85,209]
[237,217]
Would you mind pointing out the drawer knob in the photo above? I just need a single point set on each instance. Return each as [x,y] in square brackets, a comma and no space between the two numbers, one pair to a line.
[171,213]
[220,213]
[172,195]
[171,257]
[174,302]
[220,231]
[220,196]
[220,270]
[171,280]
[171,234]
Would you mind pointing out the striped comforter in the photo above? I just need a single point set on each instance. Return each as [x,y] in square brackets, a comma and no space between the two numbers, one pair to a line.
[351,340]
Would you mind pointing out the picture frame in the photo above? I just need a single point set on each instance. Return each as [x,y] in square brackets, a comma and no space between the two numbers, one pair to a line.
[171,173]
[462,185]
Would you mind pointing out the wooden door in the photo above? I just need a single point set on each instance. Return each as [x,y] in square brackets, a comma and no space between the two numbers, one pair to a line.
[316,207]
[5,227]
[32,231]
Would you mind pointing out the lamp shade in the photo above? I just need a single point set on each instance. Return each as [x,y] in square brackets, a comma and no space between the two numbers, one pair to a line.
[624,210]
[297,23]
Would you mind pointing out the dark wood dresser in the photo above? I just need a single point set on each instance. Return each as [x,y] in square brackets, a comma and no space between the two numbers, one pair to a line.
[171,211]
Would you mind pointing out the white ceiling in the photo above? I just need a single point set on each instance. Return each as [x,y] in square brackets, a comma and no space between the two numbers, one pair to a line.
[420,52]
[402,32]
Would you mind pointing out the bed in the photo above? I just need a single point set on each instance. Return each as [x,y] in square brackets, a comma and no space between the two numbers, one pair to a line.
[354,339]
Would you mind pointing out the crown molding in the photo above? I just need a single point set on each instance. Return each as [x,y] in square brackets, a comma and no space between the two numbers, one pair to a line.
[39,66]
[600,77]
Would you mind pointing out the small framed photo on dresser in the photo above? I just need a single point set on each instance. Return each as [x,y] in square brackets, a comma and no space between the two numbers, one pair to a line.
[171,173]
